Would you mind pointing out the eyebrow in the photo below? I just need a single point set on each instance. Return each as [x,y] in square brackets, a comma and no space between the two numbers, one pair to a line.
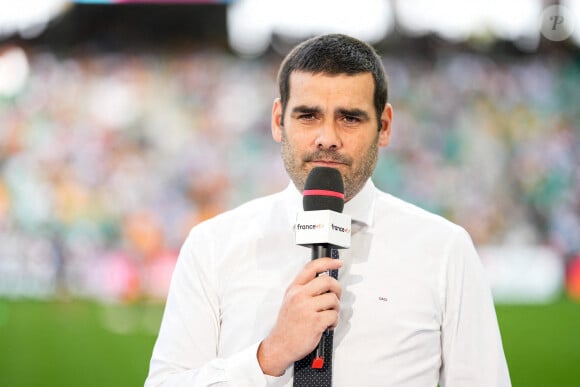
[363,115]
[304,109]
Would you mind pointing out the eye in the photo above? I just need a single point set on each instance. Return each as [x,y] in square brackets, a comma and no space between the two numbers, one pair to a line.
[307,117]
[351,120]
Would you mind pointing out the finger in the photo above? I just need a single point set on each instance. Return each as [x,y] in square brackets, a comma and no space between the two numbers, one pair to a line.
[314,267]
[326,301]
[323,284]
[327,319]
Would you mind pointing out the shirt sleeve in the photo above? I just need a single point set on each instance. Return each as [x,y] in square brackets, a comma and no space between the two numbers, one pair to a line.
[186,350]
[472,351]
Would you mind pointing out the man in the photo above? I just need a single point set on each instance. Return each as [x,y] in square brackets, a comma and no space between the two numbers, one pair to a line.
[410,306]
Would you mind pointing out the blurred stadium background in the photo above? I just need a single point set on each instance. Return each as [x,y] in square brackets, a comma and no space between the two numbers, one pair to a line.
[123,125]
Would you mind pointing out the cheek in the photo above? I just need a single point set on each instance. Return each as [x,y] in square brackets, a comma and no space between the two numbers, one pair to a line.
[300,143]
[303,138]
[364,151]
[358,149]
[291,152]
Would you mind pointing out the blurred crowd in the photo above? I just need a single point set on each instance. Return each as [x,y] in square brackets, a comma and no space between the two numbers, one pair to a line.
[107,161]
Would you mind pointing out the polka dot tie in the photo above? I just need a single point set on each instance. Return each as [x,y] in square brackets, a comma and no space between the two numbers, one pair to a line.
[304,374]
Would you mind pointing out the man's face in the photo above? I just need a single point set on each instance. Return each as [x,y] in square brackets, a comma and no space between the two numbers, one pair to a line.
[330,121]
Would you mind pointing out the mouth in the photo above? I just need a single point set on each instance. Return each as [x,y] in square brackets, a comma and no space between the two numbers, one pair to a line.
[327,163]
[327,159]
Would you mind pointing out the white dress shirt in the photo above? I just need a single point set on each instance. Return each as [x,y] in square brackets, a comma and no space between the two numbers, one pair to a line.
[416,309]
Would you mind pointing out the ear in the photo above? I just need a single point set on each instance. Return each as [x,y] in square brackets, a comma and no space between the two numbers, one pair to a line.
[277,120]
[386,120]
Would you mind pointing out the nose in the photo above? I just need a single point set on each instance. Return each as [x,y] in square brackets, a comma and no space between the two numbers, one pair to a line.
[328,137]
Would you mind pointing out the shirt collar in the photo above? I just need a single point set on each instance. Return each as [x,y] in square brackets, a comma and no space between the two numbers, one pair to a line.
[360,208]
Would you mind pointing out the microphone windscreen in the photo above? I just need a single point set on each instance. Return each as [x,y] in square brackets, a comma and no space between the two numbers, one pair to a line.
[323,190]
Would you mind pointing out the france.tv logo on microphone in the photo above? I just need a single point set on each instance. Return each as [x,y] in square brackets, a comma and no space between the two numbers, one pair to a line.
[309,226]
[323,227]
[334,227]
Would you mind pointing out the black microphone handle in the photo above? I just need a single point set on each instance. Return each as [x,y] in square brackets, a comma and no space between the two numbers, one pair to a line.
[320,251]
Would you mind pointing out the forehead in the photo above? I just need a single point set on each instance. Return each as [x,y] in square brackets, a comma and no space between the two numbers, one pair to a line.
[320,88]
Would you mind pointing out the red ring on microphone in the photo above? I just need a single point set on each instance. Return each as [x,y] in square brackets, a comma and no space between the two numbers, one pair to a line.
[323,192]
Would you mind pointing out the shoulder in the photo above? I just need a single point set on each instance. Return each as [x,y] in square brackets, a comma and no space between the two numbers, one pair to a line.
[242,217]
[417,228]
[409,216]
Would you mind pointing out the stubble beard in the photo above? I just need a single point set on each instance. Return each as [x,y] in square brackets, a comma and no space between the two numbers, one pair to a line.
[354,180]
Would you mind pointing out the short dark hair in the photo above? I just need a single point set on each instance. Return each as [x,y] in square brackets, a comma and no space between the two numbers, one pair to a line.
[334,54]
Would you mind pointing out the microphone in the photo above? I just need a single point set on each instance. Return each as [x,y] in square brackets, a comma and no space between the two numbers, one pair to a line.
[322,223]
[322,226]
[323,190]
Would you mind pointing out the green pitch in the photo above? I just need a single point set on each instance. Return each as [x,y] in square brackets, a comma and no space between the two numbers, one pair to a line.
[85,344]
[542,343]
[75,344]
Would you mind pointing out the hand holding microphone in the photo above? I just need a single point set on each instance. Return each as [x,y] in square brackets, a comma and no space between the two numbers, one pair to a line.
[323,202]
[312,301]
[310,305]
